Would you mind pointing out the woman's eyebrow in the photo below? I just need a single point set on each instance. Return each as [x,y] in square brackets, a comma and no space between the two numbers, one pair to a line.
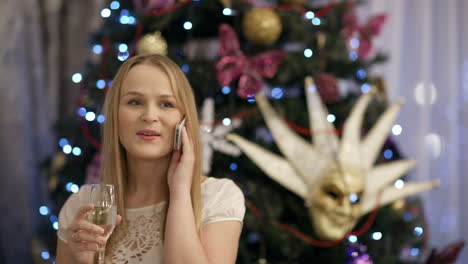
[140,94]
[132,93]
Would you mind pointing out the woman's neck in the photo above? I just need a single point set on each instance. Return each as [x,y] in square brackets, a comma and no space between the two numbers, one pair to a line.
[147,181]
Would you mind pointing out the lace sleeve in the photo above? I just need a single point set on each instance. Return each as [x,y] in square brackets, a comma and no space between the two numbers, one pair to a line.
[222,201]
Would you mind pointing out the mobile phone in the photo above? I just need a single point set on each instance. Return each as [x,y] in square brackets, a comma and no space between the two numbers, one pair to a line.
[178,134]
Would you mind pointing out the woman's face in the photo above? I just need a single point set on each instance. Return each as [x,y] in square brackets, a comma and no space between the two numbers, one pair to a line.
[148,113]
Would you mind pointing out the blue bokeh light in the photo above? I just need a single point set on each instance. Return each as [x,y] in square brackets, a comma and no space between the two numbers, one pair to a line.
[115,5]
[45,255]
[101,119]
[353,55]
[233,166]
[76,151]
[361,74]
[124,12]
[188,25]
[277,93]
[352,239]
[388,154]
[97,49]
[68,186]
[124,20]
[53,218]
[418,231]
[123,47]
[365,88]
[316,21]
[122,56]
[414,252]
[44,210]
[226,90]
[63,142]
[100,84]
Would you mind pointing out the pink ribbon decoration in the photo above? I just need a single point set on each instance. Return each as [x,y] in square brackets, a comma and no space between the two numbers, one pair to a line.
[366,32]
[250,70]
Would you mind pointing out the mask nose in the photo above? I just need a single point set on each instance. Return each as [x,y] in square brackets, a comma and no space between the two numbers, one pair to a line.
[344,206]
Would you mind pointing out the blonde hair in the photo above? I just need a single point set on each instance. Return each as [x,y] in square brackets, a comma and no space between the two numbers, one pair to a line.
[114,160]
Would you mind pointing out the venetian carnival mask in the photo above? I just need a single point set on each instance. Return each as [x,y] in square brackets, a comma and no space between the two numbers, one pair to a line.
[336,179]
[334,204]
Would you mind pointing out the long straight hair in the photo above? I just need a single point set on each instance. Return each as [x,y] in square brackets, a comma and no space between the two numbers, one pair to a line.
[114,168]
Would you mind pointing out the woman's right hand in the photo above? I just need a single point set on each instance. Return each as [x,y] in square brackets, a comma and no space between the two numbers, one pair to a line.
[84,237]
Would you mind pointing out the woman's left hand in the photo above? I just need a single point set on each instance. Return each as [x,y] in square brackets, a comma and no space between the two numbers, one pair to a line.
[180,173]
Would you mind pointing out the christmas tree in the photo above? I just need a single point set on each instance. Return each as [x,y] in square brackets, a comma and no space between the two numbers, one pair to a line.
[231,51]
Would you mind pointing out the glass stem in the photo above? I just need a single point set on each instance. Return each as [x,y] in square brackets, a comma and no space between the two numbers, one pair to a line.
[101,255]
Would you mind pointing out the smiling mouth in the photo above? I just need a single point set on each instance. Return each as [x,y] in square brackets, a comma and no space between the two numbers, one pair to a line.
[147,134]
[148,138]
[340,218]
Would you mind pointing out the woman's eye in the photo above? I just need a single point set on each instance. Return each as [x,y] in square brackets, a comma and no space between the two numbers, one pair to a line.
[134,102]
[167,104]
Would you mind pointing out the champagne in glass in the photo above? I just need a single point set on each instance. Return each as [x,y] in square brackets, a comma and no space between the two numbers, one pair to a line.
[105,210]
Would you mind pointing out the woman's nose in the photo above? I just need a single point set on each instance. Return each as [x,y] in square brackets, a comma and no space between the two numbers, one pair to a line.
[150,115]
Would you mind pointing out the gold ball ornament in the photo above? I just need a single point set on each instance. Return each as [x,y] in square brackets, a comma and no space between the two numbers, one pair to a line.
[153,43]
[262,26]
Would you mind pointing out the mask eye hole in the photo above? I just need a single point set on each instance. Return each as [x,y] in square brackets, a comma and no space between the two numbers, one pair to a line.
[333,192]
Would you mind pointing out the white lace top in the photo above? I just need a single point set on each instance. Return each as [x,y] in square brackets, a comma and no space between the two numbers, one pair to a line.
[141,241]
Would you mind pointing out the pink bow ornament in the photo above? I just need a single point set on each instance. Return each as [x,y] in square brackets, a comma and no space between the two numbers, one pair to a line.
[250,70]
[364,32]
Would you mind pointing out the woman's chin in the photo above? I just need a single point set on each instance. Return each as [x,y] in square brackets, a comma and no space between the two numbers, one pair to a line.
[148,155]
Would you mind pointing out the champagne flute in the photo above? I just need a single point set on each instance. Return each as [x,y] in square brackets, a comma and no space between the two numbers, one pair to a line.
[104,213]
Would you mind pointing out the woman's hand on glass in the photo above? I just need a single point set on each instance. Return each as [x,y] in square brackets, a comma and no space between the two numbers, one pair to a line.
[84,237]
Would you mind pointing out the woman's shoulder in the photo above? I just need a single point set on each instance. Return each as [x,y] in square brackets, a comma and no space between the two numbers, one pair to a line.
[217,185]
[223,200]
[216,191]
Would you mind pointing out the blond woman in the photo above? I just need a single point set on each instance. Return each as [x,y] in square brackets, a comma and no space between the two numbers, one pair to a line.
[170,213]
